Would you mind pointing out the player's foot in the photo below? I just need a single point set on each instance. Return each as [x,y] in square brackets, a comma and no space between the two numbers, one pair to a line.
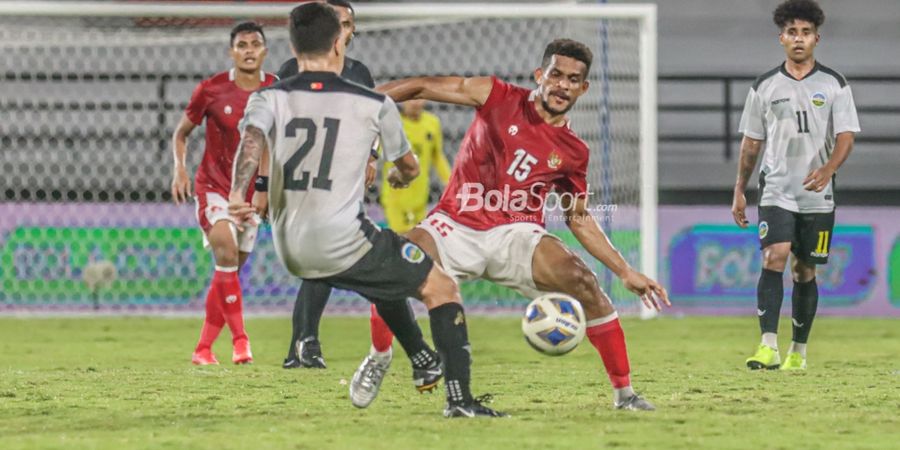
[426,379]
[474,409]
[765,358]
[310,356]
[794,361]
[242,354]
[367,380]
[204,357]
[635,403]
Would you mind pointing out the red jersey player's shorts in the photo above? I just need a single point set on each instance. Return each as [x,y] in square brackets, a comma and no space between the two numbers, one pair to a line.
[501,254]
[213,207]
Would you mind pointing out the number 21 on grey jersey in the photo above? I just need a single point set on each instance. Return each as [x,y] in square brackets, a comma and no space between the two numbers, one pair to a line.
[321,129]
[799,120]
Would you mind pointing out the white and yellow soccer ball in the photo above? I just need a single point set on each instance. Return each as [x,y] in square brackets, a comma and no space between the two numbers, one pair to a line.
[554,324]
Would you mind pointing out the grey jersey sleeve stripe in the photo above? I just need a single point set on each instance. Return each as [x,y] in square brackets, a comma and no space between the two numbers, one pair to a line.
[393,139]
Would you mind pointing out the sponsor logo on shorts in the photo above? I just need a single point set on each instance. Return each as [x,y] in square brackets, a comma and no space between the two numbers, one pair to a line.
[818,99]
[231,299]
[763,229]
[412,253]
[228,109]
[513,130]
[460,319]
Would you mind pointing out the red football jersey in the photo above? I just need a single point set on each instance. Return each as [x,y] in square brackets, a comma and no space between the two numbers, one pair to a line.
[221,102]
[508,162]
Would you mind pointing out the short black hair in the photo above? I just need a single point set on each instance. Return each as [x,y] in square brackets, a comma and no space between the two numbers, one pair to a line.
[343,4]
[314,27]
[246,27]
[570,48]
[792,10]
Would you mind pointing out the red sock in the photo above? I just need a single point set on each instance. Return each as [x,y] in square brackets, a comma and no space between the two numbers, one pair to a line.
[382,338]
[214,321]
[229,289]
[609,340]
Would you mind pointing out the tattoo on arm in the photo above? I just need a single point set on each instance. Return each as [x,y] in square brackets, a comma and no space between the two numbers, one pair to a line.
[749,154]
[246,161]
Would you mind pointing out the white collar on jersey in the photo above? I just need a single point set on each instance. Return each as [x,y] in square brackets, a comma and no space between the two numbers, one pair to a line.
[533,95]
[231,73]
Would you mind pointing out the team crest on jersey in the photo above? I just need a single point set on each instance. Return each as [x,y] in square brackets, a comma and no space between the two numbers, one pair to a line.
[513,130]
[227,109]
[554,161]
[818,99]
[412,253]
[763,229]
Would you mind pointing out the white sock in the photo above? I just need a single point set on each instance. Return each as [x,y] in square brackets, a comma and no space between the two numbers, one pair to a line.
[381,356]
[622,394]
[797,347]
[770,340]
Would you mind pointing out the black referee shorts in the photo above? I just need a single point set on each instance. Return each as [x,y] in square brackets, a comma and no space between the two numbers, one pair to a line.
[393,270]
[808,233]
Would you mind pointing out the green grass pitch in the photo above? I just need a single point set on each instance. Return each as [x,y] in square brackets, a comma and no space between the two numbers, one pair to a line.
[127,383]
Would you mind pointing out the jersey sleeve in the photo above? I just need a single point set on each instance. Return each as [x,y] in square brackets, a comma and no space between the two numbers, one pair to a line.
[499,90]
[258,113]
[196,108]
[843,112]
[575,181]
[753,120]
[393,140]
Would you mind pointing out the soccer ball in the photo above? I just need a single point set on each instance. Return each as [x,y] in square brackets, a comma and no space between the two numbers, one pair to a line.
[554,324]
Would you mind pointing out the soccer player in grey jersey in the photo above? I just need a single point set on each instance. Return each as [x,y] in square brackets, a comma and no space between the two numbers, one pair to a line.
[319,129]
[805,113]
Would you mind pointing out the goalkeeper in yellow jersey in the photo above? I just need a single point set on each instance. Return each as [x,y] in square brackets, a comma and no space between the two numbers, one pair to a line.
[404,208]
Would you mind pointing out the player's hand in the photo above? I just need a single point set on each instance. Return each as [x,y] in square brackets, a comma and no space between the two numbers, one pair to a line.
[738,209]
[371,171]
[261,203]
[181,186]
[395,180]
[818,179]
[241,212]
[651,293]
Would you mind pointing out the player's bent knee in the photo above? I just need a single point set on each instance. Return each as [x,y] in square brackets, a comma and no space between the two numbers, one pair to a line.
[439,289]
[803,272]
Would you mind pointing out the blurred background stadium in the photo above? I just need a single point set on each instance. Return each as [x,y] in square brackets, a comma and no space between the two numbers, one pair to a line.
[89,105]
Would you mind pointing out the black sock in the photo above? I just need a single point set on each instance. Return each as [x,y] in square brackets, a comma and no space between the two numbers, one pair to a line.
[308,310]
[769,295]
[451,339]
[805,300]
[399,317]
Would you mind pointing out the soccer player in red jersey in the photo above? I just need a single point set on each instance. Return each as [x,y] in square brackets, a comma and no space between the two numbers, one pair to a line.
[220,100]
[489,223]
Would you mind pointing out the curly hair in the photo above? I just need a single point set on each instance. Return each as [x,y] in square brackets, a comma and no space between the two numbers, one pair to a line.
[791,10]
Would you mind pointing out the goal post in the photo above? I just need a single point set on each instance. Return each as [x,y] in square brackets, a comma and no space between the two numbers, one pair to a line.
[111,79]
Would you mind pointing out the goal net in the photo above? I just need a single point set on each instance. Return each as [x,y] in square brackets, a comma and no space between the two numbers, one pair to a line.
[91,93]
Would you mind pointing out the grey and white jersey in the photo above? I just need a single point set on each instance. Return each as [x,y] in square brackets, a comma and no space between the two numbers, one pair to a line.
[320,130]
[799,120]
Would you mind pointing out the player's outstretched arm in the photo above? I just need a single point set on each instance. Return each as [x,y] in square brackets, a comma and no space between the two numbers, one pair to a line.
[472,91]
[588,232]
[181,180]
[750,149]
[818,179]
[246,163]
